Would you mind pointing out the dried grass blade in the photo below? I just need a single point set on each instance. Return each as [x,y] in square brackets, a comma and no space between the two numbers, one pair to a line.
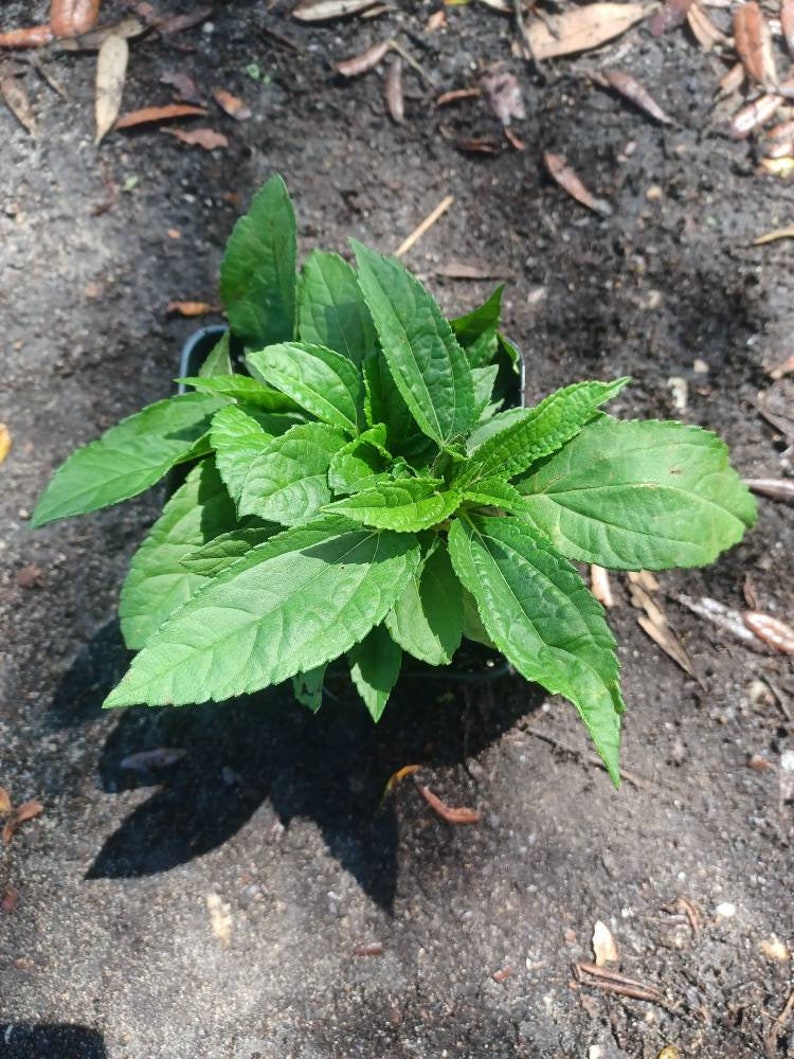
[111,73]
[637,94]
[367,60]
[773,236]
[567,179]
[754,43]
[582,28]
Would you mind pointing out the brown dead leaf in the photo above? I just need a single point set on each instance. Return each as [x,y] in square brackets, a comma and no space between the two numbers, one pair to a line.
[367,60]
[70,18]
[185,87]
[753,42]
[604,945]
[654,623]
[774,488]
[151,115]
[30,576]
[209,139]
[751,116]
[446,812]
[565,176]
[188,308]
[179,23]
[581,28]
[5,802]
[703,29]
[17,101]
[26,811]
[231,105]
[393,90]
[502,93]
[111,72]
[159,758]
[672,15]
[515,141]
[32,37]
[128,28]
[476,145]
[436,21]
[779,141]
[325,10]
[5,445]
[456,94]
[733,80]
[771,630]
[637,94]
[10,898]
[787,24]
[503,974]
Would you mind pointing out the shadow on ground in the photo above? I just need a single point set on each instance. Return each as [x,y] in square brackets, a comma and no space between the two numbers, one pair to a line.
[331,768]
[23,1040]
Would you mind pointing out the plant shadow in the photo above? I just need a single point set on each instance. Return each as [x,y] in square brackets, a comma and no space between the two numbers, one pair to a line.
[24,1040]
[331,767]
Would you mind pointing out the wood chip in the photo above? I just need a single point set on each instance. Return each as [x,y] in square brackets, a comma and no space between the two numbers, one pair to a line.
[16,99]
[786,367]
[325,10]
[152,115]
[581,29]
[771,630]
[614,982]
[631,89]
[232,105]
[367,60]
[374,949]
[753,42]
[568,180]
[393,90]
[604,945]
[209,139]
[733,80]
[723,617]
[111,73]
[446,812]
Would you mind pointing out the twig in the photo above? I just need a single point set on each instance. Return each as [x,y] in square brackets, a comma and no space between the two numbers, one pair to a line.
[425,226]
[529,51]
[396,46]
[590,759]
[614,982]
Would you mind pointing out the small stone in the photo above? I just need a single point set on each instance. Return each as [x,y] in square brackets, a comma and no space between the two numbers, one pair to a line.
[726,909]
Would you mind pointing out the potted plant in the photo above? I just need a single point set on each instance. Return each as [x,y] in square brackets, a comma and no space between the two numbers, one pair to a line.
[361,493]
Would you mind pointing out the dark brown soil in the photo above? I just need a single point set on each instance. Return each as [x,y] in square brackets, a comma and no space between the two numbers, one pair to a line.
[224,907]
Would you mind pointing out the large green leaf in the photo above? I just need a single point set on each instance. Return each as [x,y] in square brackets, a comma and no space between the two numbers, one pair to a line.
[326,384]
[237,437]
[375,666]
[543,619]
[288,481]
[290,605]
[541,431]
[308,687]
[428,366]
[129,458]
[224,551]
[408,505]
[639,495]
[361,464]
[244,389]
[157,583]
[258,269]
[477,330]
[331,309]
[219,359]
[427,620]
[384,404]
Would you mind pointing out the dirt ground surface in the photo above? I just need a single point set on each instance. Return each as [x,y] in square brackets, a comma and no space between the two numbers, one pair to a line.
[258,898]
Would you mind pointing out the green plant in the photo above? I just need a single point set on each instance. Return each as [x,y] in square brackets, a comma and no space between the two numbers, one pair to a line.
[360,493]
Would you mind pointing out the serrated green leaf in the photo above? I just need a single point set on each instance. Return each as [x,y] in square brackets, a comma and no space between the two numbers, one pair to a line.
[361,464]
[326,384]
[308,687]
[384,404]
[543,618]
[494,492]
[288,481]
[331,309]
[428,366]
[258,269]
[129,458]
[476,331]
[237,437]
[244,389]
[407,505]
[427,620]
[495,425]
[375,666]
[292,604]
[219,554]
[544,429]
[484,380]
[639,495]
[219,359]
[157,583]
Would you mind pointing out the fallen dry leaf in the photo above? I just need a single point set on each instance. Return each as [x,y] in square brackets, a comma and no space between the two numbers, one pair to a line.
[111,72]
[188,308]
[209,139]
[70,18]
[502,92]
[5,448]
[749,117]
[128,28]
[600,585]
[178,23]
[476,145]
[771,630]
[654,621]
[367,60]
[325,10]
[582,28]
[565,176]
[150,115]
[779,141]
[515,141]
[733,80]
[774,235]
[637,94]
[231,105]
[400,774]
[787,24]
[26,811]
[159,758]
[10,898]
[436,21]
[32,37]
[393,90]
[778,167]
[30,576]
[672,15]
[185,87]
[17,101]
[703,29]
[446,812]
[774,488]
[753,42]
[604,945]
[5,802]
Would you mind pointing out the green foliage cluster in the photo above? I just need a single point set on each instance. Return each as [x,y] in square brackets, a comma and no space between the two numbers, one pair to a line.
[361,493]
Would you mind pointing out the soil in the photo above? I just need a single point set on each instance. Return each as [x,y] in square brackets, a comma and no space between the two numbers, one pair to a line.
[260,896]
